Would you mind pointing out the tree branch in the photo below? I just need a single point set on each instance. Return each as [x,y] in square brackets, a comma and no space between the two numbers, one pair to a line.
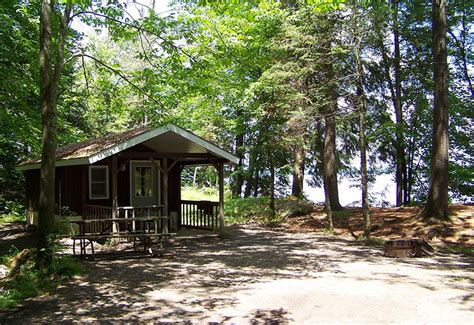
[125,78]
[85,76]
[141,29]
[464,61]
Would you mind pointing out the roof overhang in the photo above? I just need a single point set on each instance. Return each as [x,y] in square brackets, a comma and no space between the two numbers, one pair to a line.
[139,139]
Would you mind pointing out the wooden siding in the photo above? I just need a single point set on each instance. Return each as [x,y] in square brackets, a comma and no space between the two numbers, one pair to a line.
[72,185]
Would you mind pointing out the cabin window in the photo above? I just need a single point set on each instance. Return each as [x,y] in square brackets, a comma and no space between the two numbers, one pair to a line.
[143,181]
[98,182]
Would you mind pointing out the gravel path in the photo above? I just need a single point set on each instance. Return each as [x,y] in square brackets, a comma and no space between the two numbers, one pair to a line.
[261,276]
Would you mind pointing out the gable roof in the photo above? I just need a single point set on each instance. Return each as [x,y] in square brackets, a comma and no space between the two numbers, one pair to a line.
[91,151]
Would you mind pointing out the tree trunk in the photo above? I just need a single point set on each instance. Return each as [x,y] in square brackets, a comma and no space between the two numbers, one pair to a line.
[298,171]
[330,167]
[249,177]
[239,179]
[361,109]
[411,152]
[49,82]
[256,182]
[48,115]
[363,155]
[272,187]
[400,176]
[436,207]
[327,207]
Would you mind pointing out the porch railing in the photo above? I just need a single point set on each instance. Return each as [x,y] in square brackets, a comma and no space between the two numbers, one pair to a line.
[200,214]
[95,212]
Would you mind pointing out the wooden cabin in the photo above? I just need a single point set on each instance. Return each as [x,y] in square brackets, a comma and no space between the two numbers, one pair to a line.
[132,174]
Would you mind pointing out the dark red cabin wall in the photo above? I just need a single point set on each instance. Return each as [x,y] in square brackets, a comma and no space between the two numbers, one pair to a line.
[74,184]
[123,182]
[174,187]
[69,180]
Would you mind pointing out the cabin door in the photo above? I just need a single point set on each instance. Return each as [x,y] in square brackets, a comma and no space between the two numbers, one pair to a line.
[144,184]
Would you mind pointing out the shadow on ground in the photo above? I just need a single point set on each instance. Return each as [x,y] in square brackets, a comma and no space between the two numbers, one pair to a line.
[14,234]
[197,277]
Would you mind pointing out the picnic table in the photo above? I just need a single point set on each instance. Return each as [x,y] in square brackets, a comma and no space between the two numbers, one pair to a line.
[140,230]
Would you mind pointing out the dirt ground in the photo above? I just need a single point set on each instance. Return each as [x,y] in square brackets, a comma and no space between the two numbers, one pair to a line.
[262,276]
[392,223]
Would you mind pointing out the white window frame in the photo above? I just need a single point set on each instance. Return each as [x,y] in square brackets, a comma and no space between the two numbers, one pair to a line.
[106,182]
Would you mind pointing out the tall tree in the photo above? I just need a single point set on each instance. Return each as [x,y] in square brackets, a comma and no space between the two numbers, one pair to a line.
[361,109]
[298,170]
[437,204]
[18,94]
[330,162]
[401,173]
[49,82]
[330,112]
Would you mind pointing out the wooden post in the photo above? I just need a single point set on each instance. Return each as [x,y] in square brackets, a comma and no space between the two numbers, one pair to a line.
[85,190]
[114,193]
[179,197]
[220,170]
[165,187]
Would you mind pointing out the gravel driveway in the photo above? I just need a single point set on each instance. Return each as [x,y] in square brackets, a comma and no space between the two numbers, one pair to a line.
[261,276]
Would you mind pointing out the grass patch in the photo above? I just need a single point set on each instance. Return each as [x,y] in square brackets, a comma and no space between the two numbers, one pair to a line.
[12,218]
[293,207]
[245,210]
[257,209]
[328,231]
[370,241]
[199,193]
[459,249]
[25,280]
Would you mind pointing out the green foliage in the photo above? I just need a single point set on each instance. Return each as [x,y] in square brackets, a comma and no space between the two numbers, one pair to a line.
[29,281]
[253,77]
[11,211]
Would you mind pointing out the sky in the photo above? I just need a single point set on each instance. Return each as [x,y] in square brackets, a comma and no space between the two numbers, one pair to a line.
[135,8]
[382,190]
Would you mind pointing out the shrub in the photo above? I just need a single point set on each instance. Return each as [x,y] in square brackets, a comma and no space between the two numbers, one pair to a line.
[25,279]
[12,211]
